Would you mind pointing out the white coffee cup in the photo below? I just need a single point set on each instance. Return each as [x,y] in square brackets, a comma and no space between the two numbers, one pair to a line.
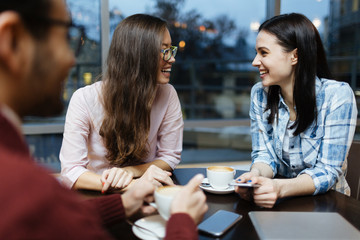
[220,176]
[163,199]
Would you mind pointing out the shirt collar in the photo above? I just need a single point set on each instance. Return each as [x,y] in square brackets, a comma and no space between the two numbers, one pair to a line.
[318,83]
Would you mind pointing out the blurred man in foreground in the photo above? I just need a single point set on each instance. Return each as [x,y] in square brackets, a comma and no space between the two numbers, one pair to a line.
[35,59]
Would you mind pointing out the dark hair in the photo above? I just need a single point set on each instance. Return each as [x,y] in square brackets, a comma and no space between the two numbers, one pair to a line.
[32,12]
[295,31]
[130,87]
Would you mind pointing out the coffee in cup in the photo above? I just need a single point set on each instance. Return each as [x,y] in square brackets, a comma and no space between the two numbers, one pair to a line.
[163,199]
[220,176]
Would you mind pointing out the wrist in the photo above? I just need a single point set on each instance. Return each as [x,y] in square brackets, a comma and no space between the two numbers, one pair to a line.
[255,172]
[130,170]
[278,187]
[126,203]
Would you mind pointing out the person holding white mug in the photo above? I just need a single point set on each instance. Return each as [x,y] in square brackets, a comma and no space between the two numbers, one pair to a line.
[171,199]
[182,205]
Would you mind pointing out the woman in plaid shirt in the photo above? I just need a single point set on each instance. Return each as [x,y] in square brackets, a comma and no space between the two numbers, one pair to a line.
[302,123]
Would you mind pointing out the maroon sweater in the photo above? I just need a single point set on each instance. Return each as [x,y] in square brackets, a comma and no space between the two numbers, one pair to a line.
[33,205]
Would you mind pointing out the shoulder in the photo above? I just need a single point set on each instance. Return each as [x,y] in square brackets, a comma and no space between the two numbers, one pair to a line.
[166,88]
[88,94]
[166,91]
[332,90]
[89,90]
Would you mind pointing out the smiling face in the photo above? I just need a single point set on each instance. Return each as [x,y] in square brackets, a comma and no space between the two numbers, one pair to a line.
[165,66]
[276,66]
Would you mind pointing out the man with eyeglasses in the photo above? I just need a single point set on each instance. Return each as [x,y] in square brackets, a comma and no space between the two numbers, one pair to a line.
[35,58]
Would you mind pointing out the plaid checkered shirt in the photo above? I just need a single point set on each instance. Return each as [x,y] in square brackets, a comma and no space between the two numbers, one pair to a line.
[321,150]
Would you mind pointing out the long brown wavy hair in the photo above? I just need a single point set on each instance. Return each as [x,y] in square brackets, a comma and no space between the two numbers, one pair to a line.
[130,87]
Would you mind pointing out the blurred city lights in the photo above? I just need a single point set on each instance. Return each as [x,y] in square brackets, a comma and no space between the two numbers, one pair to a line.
[316,22]
[254,26]
[182,44]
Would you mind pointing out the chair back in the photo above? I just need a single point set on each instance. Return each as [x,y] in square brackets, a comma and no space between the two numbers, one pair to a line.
[353,170]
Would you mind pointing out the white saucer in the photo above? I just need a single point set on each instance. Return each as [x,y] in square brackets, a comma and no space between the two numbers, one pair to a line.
[155,223]
[210,189]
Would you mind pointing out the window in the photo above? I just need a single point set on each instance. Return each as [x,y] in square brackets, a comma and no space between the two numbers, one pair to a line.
[213,73]
[44,136]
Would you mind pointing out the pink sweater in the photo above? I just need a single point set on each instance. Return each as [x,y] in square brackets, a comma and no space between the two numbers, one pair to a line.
[82,148]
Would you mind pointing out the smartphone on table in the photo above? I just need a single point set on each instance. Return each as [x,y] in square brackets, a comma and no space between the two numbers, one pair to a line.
[218,223]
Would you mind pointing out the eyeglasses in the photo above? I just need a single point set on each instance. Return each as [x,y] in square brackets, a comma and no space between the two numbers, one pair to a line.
[169,52]
[75,35]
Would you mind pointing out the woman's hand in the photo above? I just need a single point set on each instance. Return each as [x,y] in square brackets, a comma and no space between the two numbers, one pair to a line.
[157,176]
[245,192]
[115,178]
[267,194]
[263,196]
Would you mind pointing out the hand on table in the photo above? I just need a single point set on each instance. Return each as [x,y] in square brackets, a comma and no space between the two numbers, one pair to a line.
[138,196]
[191,200]
[267,194]
[115,178]
[244,192]
[157,176]
[263,196]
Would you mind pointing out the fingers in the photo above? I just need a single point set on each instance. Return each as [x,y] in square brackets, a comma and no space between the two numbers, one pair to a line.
[244,192]
[123,181]
[147,209]
[105,183]
[244,177]
[134,197]
[158,176]
[266,200]
[266,195]
[116,178]
[191,200]
[164,179]
[194,183]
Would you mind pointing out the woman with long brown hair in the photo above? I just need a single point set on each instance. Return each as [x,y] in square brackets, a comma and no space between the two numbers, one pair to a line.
[116,128]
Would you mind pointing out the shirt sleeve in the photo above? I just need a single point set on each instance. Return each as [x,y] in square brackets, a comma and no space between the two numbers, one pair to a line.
[170,134]
[337,134]
[181,227]
[37,207]
[110,209]
[74,150]
[261,131]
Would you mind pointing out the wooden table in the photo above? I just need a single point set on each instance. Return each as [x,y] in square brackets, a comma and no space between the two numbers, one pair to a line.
[332,201]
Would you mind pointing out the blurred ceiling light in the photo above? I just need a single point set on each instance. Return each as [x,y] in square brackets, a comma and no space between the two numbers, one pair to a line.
[177,24]
[254,26]
[316,22]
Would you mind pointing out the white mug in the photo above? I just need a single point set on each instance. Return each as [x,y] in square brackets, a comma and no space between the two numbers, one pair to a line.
[220,176]
[164,196]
